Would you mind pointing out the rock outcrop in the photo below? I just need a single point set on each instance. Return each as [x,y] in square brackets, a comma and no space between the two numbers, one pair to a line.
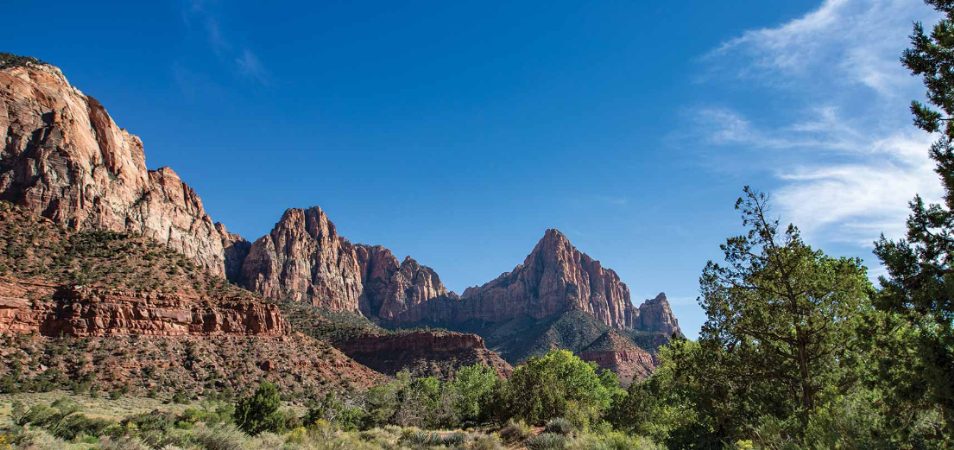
[656,316]
[84,311]
[63,157]
[304,259]
[389,287]
[553,279]
[615,352]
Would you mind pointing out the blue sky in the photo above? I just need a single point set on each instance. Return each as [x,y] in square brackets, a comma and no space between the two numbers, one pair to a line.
[457,132]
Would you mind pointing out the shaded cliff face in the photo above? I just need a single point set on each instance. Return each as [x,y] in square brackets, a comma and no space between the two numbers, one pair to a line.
[63,157]
[304,259]
[429,352]
[612,351]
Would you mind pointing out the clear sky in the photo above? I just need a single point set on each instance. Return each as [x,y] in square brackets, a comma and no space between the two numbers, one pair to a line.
[457,132]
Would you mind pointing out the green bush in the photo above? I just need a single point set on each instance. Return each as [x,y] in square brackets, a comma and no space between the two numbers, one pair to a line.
[558,384]
[473,389]
[259,412]
[547,441]
[337,412]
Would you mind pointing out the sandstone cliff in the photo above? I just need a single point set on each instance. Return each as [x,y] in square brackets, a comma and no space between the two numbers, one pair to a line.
[63,157]
[656,316]
[304,258]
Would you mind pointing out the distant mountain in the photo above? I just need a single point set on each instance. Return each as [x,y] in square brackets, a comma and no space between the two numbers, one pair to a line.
[558,298]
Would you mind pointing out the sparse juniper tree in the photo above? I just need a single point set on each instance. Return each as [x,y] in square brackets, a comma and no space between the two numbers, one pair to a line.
[919,286]
[780,313]
[259,412]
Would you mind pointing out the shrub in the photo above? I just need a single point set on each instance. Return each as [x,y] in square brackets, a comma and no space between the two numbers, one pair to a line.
[473,388]
[122,443]
[547,441]
[219,437]
[259,412]
[335,411]
[484,442]
[515,431]
[422,438]
[560,425]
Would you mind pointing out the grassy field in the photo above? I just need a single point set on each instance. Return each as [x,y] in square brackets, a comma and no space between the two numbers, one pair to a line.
[63,420]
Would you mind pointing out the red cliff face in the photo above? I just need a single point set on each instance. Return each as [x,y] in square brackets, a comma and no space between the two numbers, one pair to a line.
[81,311]
[304,259]
[391,288]
[63,157]
[555,277]
[424,352]
[656,316]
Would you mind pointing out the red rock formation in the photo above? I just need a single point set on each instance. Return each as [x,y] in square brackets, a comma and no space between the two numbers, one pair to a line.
[390,288]
[554,278]
[65,158]
[84,311]
[304,259]
[619,354]
[424,352]
[656,316]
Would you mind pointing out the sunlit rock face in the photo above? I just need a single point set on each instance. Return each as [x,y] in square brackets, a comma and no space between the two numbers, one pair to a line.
[64,158]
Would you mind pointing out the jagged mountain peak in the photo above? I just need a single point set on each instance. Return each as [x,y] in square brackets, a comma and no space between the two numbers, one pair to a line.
[656,315]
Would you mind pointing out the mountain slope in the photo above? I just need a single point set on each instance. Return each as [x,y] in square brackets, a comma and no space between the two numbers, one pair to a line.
[122,312]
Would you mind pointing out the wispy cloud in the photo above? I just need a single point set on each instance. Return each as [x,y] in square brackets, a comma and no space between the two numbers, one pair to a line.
[845,155]
[241,59]
[857,38]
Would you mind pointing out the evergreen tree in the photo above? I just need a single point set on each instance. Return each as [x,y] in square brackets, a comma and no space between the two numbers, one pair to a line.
[259,412]
[919,286]
[778,316]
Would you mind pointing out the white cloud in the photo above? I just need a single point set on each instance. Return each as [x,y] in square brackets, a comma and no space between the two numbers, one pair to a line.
[846,156]
[859,39]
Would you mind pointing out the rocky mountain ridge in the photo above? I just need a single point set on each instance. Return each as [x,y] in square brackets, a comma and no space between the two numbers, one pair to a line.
[64,159]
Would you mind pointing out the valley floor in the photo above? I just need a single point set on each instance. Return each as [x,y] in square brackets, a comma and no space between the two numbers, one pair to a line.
[64,420]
